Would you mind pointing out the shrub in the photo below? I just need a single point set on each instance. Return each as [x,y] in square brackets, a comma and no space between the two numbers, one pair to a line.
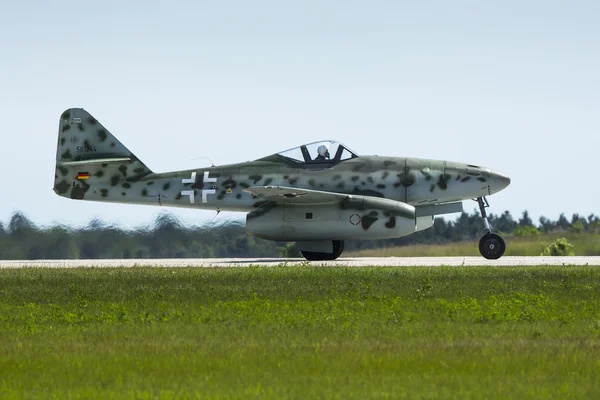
[560,247]
[529,230]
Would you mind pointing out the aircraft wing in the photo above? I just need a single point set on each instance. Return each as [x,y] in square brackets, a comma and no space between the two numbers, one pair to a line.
[282,194]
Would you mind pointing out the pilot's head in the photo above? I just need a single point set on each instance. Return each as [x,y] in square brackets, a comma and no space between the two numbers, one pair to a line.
[323,151]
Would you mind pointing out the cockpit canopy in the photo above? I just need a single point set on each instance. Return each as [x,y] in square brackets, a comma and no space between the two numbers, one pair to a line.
[325,152]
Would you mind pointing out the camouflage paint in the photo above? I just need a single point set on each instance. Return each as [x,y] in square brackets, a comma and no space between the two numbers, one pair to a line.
[117,175]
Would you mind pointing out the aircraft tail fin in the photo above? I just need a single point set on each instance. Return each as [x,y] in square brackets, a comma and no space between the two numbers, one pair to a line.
[85,150]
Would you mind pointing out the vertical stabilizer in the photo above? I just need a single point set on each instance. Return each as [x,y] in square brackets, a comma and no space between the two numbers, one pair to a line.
[90,160]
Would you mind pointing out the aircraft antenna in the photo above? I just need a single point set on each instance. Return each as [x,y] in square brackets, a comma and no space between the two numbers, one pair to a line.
[202,158]
[218,211]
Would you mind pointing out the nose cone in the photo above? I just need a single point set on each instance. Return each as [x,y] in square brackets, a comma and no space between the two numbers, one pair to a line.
[498,181]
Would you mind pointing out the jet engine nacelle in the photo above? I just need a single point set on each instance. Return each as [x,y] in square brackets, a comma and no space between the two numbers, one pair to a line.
[356,218]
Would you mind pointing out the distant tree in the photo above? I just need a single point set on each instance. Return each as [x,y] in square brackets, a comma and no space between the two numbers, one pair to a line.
[595,226]
[290,251]
[593,223]
[168,237]
[546,225]
[440,228]
[59,243]
[525,220]
[582,223]
[505,223]
[577,227]
[527,230]
[20,225]
[563,222]
[467,227]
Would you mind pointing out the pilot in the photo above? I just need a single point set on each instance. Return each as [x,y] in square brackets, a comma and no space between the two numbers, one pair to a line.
[323,153]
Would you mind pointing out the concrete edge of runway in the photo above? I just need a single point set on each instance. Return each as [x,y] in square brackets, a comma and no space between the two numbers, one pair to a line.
[351,262]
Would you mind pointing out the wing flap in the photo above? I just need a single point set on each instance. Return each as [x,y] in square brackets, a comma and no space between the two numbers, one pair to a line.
[439,209]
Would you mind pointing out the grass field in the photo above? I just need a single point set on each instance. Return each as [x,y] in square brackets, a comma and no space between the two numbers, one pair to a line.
[585,244]
[300,333]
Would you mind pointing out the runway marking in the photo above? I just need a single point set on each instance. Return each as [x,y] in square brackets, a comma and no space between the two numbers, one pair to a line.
[351,262]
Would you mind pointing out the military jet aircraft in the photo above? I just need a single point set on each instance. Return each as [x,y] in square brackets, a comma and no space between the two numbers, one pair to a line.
[318,195]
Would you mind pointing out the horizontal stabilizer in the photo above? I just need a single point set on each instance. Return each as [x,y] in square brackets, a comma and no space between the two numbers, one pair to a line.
[95,161]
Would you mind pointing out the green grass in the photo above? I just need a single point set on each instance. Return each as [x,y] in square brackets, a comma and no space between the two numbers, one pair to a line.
[585,244]
[300,332]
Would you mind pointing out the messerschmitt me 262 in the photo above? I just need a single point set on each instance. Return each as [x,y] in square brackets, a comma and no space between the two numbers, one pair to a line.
[317,195]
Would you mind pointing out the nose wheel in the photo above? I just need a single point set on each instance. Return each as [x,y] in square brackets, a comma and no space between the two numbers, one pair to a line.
[491,245]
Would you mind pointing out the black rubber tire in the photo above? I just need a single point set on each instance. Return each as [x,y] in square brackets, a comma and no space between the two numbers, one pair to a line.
[492,246]
[338,248]
[313,256]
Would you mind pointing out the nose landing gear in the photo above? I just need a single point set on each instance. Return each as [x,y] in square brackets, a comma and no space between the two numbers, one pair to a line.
[491,245]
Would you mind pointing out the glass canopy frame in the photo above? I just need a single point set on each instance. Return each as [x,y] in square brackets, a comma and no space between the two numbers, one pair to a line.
[314,153]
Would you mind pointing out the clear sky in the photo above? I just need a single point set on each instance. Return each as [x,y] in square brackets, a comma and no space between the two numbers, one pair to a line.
[512,85]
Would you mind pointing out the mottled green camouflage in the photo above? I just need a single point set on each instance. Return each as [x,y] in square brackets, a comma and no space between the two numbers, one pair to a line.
[119,176]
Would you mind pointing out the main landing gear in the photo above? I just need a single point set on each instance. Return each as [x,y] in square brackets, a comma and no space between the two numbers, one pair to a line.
[338,248]
[491,245]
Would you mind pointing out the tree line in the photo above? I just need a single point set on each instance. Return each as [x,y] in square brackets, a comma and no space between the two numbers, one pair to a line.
[167,237]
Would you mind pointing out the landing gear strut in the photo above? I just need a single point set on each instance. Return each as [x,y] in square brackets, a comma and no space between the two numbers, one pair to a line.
[338,248]
[491,245]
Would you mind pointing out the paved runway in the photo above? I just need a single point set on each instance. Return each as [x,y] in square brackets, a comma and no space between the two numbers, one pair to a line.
[353,262]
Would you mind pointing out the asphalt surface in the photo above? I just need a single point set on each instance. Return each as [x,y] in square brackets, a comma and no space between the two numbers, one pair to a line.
[353,262]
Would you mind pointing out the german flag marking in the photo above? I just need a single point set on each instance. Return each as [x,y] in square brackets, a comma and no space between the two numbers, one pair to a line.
[83,175]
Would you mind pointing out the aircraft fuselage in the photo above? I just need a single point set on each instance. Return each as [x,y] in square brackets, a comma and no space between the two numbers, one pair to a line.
[411,180]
